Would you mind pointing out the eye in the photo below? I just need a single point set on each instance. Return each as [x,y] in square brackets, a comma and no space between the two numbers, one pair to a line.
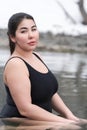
[23,31]
[34,29]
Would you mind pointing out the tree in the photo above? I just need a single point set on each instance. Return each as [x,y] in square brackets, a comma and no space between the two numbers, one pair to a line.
[81,9]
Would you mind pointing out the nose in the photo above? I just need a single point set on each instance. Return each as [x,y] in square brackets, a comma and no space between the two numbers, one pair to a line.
[30,34]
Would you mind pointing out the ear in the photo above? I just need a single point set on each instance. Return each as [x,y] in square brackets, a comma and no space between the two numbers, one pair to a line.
[12,38]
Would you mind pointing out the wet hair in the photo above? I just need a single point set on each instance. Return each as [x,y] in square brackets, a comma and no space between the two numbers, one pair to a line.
[13,24]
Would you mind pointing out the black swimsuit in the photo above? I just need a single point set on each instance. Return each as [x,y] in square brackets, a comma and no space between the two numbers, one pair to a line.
[43,87]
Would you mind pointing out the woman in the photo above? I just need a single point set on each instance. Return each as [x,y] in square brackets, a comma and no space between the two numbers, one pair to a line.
[31,87]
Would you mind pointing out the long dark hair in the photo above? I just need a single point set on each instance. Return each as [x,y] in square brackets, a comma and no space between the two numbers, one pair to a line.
[13,23]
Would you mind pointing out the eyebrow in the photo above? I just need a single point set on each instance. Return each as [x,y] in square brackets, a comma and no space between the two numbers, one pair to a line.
[27,28]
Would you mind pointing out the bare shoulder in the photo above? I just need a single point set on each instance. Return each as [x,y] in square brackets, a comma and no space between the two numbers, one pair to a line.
[14,61]
[15,64]
[15,69]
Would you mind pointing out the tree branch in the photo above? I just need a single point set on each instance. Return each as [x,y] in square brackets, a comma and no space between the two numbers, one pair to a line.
[82,10]
[66,13]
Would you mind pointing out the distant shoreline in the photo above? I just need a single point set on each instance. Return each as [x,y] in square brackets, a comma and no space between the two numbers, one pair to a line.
[56,48]
[53,42]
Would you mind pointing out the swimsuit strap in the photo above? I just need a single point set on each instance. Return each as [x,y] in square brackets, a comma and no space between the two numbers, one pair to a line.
[24,60]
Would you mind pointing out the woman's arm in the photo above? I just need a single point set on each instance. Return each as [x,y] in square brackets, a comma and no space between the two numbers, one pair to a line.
[16,76]
[60,107]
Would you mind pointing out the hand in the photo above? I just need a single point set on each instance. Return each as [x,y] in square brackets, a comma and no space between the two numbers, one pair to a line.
[79,121]
[82,121]
[71,116]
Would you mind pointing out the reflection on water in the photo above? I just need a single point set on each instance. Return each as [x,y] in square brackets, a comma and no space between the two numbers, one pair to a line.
[26,124]
[71,73]
[71,65]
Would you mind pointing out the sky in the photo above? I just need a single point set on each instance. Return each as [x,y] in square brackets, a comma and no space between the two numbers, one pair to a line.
[47,14]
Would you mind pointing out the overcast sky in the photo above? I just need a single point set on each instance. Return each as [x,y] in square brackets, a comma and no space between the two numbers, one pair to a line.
[46,13]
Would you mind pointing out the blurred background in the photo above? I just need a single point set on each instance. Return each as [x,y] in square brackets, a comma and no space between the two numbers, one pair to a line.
[63,45]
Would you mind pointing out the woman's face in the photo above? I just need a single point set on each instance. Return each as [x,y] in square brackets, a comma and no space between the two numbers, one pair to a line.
[26,36]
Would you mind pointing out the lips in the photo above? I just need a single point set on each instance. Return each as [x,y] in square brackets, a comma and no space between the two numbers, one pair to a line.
[32,43]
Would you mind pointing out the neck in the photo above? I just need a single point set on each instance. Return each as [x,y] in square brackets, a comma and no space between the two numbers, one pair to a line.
[24,54]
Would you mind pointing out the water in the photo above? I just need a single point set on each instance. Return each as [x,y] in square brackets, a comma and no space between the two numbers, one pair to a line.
[4,54]
[66,62]
[26,124]
[59,62]
[71,73]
